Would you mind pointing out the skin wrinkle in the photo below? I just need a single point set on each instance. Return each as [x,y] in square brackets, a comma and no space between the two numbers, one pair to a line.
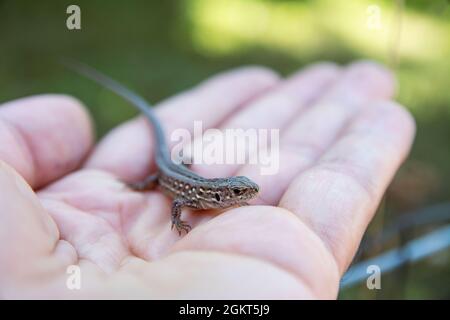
[38,176]
[150,251]
[61,249]
[133,247]
[122,228]
[350,172]
[110,256]
[119,208]
[322,231]
[78,200]
[45,268]
[309,226]
[91,241]
[318,150]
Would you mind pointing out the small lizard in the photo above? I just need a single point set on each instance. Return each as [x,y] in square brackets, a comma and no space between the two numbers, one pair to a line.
[185,187]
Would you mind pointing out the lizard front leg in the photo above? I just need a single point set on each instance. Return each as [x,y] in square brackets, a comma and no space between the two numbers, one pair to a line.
[177,206]
[146,184]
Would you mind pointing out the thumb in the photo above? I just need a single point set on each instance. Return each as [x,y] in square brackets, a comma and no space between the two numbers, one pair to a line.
[28,236]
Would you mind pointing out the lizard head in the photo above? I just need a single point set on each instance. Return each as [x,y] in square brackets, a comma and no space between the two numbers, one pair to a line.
[228,192]
[238,190]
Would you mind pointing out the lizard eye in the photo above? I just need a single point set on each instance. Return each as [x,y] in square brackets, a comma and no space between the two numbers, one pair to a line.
[237,191]
[217,196]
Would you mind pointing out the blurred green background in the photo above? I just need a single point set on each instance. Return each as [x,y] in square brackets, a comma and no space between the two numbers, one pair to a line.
[162,47]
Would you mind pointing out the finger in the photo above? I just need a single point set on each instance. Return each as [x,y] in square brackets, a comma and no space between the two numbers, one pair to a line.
[128,150]
[273,236]
[275,109]
[361,82]
[29,240]
[317,128]
[338,196]
[44,137]
[212,275]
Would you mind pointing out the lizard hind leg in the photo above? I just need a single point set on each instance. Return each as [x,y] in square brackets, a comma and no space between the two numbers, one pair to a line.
[148,183]
[179,224]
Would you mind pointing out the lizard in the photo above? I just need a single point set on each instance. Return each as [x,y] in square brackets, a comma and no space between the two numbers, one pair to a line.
[176,180]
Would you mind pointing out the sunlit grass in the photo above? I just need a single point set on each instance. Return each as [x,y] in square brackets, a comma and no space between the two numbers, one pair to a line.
[304,30]
[226,26]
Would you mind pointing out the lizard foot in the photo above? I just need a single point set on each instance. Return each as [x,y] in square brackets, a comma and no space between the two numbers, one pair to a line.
[181,226]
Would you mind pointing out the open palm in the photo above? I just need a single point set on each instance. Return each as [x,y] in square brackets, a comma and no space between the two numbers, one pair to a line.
[341,142]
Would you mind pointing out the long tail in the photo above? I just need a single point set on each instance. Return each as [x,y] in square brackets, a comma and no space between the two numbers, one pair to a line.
[136,100]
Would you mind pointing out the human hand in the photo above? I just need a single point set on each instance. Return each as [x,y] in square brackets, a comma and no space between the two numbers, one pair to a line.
[342,140]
